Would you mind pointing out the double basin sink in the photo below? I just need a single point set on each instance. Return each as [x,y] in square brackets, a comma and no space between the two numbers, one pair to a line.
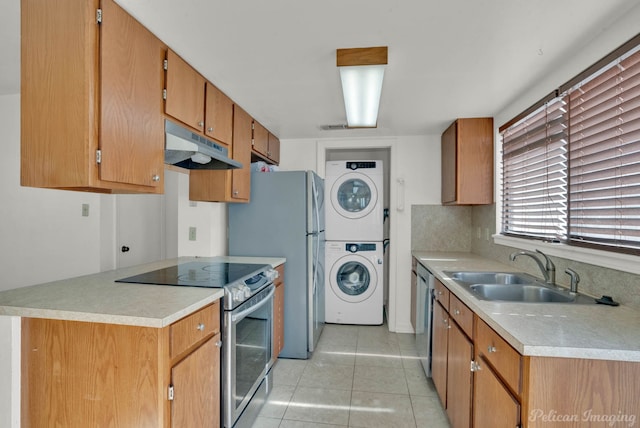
[514,287]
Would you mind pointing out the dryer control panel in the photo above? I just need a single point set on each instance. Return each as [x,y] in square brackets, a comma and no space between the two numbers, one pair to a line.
[353,165]
[354,248]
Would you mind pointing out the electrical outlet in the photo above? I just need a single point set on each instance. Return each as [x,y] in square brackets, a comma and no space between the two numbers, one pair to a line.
[85,210]
[192,234]
[479,232]
[486,233]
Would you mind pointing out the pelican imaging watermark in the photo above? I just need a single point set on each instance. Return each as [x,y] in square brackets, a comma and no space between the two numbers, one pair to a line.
[588,416]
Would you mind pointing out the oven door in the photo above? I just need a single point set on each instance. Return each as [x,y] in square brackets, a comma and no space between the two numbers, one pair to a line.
[248,351]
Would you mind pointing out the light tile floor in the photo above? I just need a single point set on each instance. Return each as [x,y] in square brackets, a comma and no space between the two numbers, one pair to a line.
[359,376]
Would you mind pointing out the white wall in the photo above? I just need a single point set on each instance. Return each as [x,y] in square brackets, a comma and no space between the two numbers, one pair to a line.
[416,162]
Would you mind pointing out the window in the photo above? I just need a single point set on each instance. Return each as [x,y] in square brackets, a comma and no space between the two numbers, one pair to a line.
[571,163]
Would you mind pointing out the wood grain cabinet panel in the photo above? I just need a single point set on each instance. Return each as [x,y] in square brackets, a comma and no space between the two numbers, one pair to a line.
[506,360]
[260,142]
[273,152]
[467,162]
[185,92]
[459,378]
[494,405]
[83,374]
[91,99]
[278,313]
[218,115]
[191,329]
[196,388]
[228,185]
[440,351]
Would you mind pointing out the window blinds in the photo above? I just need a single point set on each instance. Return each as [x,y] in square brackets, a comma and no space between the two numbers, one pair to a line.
[604,156]
[571,167]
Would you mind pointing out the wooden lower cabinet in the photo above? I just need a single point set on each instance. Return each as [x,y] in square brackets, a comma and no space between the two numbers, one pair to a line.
[459,378]
[494,405]
[440,351]
[278,313]
[85,374]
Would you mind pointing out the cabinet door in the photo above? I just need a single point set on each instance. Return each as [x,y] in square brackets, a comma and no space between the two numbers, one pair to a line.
[439,351]
[493,405]
[185,92]
[196,388]
[218,115]
[449,163]
[459,378]
[260,139]
[241,178]
[131,131]
[274,148]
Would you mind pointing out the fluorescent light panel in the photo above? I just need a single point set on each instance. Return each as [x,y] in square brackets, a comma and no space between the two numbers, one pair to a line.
[361,88]
[361,73]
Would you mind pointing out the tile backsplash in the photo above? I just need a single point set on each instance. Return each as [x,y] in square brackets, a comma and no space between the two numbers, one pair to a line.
[443,228]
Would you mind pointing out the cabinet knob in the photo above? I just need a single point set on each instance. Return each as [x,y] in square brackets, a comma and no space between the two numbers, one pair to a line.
[456,312]
[235,192]
[200,124]
[200,327]
[155,177]
[219,343]
[491,349]
[210,129]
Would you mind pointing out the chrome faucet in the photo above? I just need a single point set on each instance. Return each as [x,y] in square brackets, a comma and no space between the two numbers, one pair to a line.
[548,269]
[575,279]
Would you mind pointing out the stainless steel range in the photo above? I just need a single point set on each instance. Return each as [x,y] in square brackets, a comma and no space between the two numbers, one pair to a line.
[247,340]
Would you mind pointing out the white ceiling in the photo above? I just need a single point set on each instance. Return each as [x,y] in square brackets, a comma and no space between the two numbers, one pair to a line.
[276,58]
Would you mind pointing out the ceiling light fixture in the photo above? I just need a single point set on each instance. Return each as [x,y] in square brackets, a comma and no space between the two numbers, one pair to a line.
[361,72]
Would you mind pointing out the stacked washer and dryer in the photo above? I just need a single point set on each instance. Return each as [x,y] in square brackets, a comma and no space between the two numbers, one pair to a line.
[354,252]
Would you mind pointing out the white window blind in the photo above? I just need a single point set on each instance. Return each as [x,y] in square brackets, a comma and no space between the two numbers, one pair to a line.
[534,174]
[604,117]
[571,163]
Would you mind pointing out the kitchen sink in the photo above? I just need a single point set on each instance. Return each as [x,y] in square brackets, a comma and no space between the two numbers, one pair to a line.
[520,293]
[514,287]
[492,277]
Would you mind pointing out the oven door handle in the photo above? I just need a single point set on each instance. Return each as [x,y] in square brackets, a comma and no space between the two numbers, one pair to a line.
[240,315]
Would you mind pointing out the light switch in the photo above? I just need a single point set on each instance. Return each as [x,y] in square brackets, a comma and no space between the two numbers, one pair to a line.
[192,234]
[85,210]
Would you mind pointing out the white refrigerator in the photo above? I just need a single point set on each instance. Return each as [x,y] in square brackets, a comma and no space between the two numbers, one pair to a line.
[285,218]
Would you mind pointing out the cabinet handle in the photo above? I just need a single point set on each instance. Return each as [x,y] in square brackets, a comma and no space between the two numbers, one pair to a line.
[155,177]
[492,349]
[210,129]
[456,312]
[446,321]
[235,192]
[200,124]
[439,293]
[219,343]
[200,327]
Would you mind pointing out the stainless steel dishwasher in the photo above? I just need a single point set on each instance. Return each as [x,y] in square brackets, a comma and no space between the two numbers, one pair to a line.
[424,316]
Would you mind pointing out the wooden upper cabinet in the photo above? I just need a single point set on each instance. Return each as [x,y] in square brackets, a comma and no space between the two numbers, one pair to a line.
[91,99]
[218,115]
[273,151]
[260,142]
[228,185]
[467,162]
[185,92]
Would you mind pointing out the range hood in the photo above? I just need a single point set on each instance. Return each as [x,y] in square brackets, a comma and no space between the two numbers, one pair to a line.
[189,150]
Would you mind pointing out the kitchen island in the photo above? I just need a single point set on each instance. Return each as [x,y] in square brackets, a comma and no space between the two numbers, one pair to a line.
[530,364]
[100,353]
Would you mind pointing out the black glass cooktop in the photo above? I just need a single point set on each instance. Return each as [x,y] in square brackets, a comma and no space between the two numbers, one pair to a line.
[199,274]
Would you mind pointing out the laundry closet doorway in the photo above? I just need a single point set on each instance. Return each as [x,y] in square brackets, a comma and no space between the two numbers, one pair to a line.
[367,150]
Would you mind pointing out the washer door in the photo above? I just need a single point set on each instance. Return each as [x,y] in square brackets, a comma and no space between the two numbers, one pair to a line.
[353,278]
[354,195]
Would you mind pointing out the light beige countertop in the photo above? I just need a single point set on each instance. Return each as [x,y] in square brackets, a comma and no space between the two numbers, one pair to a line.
[544,329]
[98,298]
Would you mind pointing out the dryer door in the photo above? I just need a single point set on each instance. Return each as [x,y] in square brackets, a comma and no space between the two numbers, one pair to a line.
[353,278]
[354,195]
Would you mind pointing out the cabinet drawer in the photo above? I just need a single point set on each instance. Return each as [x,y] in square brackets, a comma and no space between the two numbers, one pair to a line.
[505,359]
[193,328]
[442,294]
[461,314]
